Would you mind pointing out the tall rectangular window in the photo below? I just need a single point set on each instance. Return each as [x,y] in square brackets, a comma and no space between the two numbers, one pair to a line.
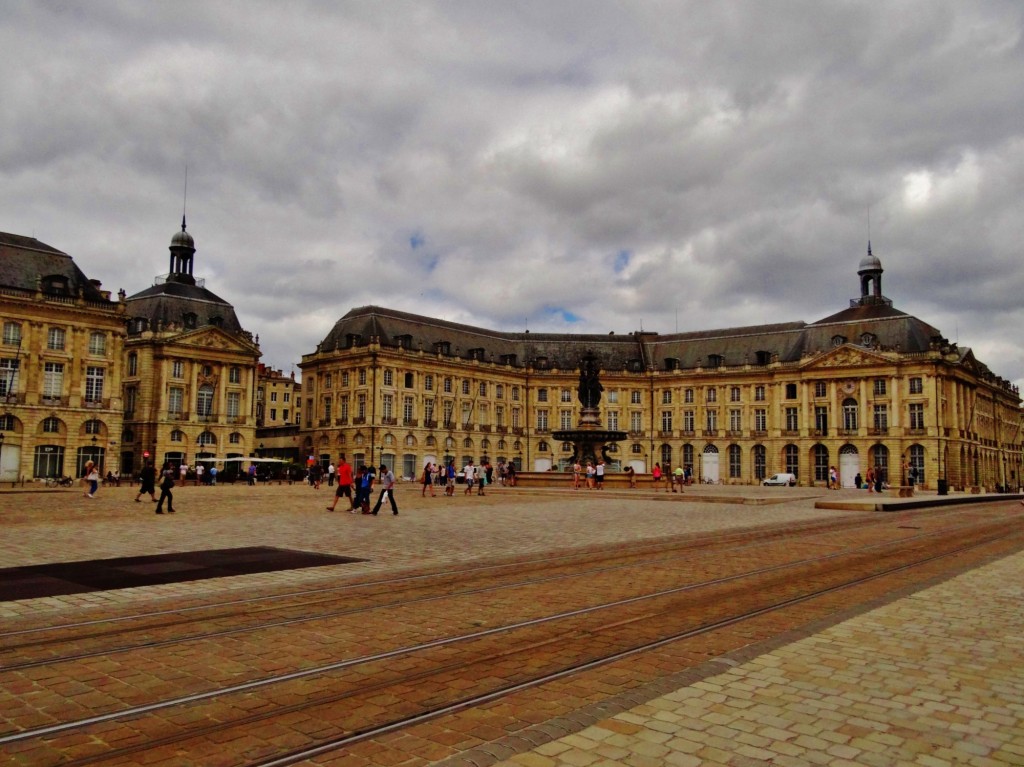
[94,384]
[879,387]
[175,400]
[8,377]
[55,338]
[666,420]
[361,405]
[916,385]
[634,397]
[760,419]
[428,410]
[759,393]
[821,420]
[234,404]
[917,415]
[711,420]
[792,419]
[328,408]
[343,407]
[407,409]
[388,407]
[516,418]
[12,334]
[636,422]
[449,410]
[53,379]
[499,415]
[97,344]
[542,420]
[177,369]
[565,419]
[881,418]
[613,420]
[688,420]
[735,419]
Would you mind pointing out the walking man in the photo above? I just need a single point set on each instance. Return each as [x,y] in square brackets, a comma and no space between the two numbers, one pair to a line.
[148,479]
[387,479]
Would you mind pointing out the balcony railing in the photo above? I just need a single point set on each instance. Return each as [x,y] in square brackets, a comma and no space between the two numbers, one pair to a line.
[389,421]
[501,429]
[359,420]
[177,416]
[411,422]
[97,404]
[341,422]
[878,431]
[430,424]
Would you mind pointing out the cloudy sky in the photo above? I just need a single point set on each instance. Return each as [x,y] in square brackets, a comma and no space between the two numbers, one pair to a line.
[564,166]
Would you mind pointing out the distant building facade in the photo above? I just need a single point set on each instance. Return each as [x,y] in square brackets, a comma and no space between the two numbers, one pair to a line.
[278,415]
[61,357]
[868,387]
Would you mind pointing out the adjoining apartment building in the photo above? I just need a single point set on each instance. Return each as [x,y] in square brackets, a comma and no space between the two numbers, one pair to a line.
[867,387]
[60,363]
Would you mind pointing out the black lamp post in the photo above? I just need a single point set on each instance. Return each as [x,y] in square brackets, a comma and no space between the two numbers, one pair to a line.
[1,449]
[260,453]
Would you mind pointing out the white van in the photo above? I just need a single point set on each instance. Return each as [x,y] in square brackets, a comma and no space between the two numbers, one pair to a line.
[784,478]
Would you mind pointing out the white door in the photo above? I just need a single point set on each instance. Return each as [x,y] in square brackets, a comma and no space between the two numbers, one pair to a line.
[10,460]
[849,465]
[638,466]
[710,467]
[541,464]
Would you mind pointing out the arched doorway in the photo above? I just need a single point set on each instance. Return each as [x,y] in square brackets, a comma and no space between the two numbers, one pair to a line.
[849,465]
[709,464]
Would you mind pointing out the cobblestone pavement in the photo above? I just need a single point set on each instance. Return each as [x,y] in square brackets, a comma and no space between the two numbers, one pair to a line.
[935,678]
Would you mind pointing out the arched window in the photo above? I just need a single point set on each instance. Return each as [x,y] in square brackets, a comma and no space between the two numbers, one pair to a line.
[821,464]
[177,436]
[791,455]
[735,462]
[543,447]
[51,425]
[917,462]
[207,438]
[760,462]
[204,400]
[666,455]
[850,414]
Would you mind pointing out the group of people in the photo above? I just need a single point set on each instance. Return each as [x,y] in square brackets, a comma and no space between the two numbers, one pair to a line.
[475,476]
[358,489]
[592,475]
[675,479]
[147,486]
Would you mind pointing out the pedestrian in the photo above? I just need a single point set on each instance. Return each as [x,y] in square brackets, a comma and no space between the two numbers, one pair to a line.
[213,475]
[678,477]
[147,478]
[870,481]
[510,470]
[91,477]
[631,473]
[481,479]
[252,475]
[469,476]
[449,488]
[366,488]
[427,480]
[166,483]
[576,469]
[200,475]
[656,475]
[591,471]
[387,479]
[344,489]
[183,470]
[330,474]
[599,474]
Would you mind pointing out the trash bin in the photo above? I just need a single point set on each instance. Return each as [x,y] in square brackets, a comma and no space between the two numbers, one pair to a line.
[943,487]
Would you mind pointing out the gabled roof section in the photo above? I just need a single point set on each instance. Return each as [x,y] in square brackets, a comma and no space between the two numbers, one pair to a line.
[889,328]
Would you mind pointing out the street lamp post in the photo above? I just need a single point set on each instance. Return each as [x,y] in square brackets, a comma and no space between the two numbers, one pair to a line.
[1,451]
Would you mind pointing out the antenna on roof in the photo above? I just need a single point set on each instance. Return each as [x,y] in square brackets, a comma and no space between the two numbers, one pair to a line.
[184,201]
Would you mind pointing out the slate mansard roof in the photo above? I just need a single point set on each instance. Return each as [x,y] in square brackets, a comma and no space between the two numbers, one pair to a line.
[890,329]
[26,264]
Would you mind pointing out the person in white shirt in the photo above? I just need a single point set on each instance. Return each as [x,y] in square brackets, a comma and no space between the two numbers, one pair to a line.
[387,481]
[470,474]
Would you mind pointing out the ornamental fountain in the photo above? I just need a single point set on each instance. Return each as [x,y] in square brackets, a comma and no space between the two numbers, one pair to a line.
[589,437]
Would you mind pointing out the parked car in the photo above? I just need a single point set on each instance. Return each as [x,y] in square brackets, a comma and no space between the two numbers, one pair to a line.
[785,478]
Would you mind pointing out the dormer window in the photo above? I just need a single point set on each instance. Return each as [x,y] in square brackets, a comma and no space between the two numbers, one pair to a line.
[353,340]
[634,366]
[190,320]
[443,347]
[868,339]
[476,354]
[217,322]
[541,363]
[56,284]
[762,358]
[403,342]
[508,359]
[671,363]
[838,340]
[715,360]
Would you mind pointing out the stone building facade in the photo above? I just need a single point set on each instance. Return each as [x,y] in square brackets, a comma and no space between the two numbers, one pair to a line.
[190,372]
[869,386]
[61,359]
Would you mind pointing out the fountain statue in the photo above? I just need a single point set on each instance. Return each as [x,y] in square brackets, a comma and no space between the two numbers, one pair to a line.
[588,437]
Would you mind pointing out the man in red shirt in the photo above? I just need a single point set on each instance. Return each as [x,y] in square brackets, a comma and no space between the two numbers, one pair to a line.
[344,485]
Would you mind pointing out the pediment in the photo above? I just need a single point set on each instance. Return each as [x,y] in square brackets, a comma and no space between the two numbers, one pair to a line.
[847,355]
[212,339]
